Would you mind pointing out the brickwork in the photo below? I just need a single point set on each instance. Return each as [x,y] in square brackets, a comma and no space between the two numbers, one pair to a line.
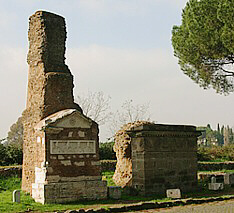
[50,84]
[164,157]
[61,150]
[71,170]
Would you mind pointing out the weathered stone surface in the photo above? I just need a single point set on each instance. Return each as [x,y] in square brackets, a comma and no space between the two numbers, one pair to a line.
[215,186]
[50,84]
[164,157]
[161,157]
[69,191]
[61,145]
[173,193]
[65,176]
[123,172]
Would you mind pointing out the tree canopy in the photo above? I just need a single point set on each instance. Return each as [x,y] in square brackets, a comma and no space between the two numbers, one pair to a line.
[204,43]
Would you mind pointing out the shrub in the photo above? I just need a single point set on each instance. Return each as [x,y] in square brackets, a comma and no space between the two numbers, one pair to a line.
[106,151]
[2,155]
[14,155]
[10,155]
[108,165]
[216,153]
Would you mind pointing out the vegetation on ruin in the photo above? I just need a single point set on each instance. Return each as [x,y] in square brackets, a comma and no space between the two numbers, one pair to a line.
[204,43]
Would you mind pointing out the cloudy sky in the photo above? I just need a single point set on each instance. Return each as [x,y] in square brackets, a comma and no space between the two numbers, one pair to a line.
[120,47]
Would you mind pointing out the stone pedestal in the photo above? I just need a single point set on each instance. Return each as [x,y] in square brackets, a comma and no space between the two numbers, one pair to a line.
[70,169]
[163,157]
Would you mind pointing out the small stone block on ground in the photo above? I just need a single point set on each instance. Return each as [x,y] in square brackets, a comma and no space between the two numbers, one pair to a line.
[114,192]
[215,186]
[16,196]
[173,193]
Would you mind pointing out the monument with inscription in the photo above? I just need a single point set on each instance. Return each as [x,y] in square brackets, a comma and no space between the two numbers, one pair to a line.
[61,147]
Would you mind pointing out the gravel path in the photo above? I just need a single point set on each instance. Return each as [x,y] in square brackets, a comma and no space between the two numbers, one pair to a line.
[214,207]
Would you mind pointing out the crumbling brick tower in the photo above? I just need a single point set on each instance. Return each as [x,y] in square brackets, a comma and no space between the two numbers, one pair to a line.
[50,84]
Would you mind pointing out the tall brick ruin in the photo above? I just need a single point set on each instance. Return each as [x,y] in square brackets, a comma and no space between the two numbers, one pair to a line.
[49,101]
[50,83]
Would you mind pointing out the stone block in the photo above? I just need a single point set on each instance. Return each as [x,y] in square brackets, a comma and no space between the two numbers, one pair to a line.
[66,162]
[63,192]
[215,186]
[229,179]
[40,175]
[61,157]
[53,178]
[173,193]
[81,163]
[38,192]
[114,192]
[73,146]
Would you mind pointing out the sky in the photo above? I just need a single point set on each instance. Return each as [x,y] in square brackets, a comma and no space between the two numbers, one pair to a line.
[122,48]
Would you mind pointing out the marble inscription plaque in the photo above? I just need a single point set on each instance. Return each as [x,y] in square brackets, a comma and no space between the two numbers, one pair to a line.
[72,147]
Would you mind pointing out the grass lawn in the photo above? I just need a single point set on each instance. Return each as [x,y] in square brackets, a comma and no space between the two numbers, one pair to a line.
[8,185]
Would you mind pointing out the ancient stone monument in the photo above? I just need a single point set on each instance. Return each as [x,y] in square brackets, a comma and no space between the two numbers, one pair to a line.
[161,157]
[61,156]
[122,147]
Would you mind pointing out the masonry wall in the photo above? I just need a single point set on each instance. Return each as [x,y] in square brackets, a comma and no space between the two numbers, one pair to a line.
[164,157]
[50,84]
[67,166]
[70,173]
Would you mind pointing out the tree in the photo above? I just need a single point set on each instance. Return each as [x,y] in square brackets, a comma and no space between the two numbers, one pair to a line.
[2,155]
[15,135]
[129,113]
[14,155]
[204,43]
[226,136]
[218,128]
[96,106]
